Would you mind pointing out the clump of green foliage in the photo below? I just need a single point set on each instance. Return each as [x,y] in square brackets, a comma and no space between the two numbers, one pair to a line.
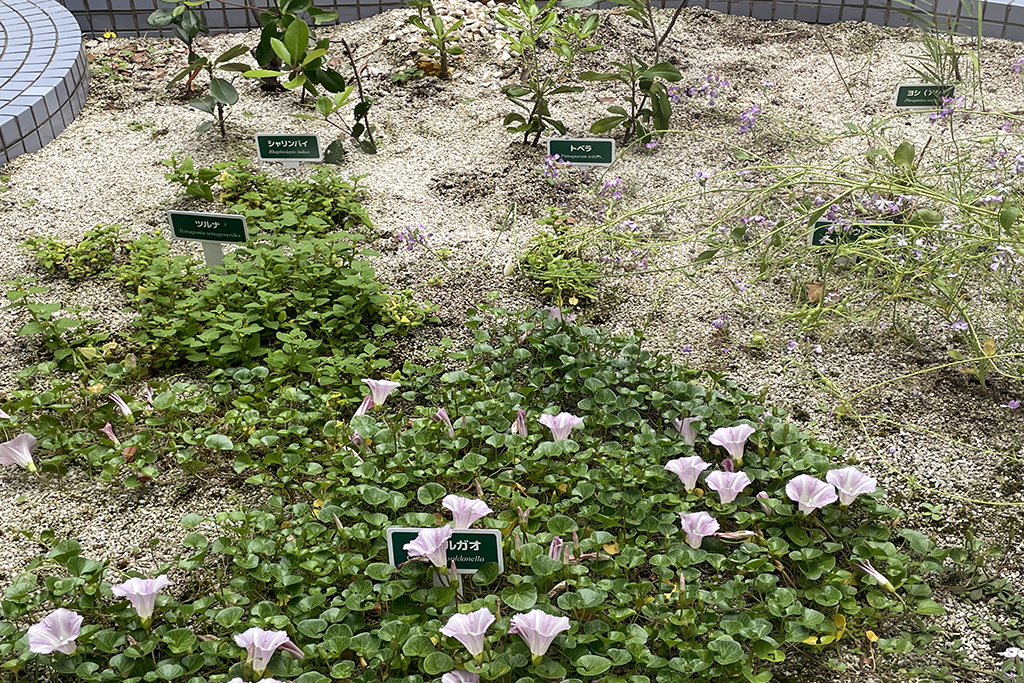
[313,206]
[643,604]
[94,254]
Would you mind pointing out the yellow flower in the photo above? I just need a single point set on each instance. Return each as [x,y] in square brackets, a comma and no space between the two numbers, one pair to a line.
[109,34]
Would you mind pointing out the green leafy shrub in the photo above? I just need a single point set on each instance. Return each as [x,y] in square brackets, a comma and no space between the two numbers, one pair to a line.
[92,256]
[283,303]
[316,205]
[643,605]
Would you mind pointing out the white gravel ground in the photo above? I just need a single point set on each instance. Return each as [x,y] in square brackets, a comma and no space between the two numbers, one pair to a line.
[944,448]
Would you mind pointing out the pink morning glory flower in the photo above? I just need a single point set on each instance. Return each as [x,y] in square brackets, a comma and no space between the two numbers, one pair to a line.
[810,493]
[4,416]
[442,416]
[236,679]
[365,406]
[878,576]
[850,483]
[728,485]
[469,629]
[761,497]
[560,425]
[556,548]
[18,451]
[538,629]
[432,545]
[261,645]
[379,389]
[519,426]
[685,428]
[687,469]
[122,406]
[460,676]
[142,593]
[465,511]
[697,525]
[55,633]
[732,439]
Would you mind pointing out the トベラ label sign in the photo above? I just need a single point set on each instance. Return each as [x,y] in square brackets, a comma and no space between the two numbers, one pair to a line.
[208,227]
[289,147]
[833,232]
[922,95]
[470,549]
[583,152]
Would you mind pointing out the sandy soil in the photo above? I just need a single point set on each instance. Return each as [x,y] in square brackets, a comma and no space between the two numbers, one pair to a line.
[947,451]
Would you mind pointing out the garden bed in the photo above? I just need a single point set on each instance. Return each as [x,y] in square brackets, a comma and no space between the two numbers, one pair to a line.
[455,201]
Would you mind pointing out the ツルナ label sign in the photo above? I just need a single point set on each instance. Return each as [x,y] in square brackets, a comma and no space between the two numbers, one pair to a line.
[583,151]
[208,227]
[922,95]
[289,147]
[470,549]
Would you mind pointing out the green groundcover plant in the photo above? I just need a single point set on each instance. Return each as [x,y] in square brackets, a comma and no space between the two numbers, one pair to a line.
[657,523]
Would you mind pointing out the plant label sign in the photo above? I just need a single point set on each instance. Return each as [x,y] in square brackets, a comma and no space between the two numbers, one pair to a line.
[922,96]
[212,229]
[828,233]
[469,548]
[583,152]
[289,149]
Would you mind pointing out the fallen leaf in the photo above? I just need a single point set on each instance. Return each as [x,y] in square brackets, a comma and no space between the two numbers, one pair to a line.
[611,548]
[815,291]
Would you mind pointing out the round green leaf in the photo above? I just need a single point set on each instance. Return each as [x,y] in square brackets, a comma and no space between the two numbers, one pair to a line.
[437,663]
[219,442]
[592,665]
[430,492]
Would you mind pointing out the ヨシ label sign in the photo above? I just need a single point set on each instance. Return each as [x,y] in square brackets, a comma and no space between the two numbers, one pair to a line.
[470,549]
[922,95]
[289,147]
[583,152]
[208,227]
[830,232]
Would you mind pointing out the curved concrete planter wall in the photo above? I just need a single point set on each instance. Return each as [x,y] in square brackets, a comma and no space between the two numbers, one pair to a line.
[44,75]
[1002,18]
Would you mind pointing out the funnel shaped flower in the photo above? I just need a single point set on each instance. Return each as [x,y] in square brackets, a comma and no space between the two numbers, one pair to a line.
[432,545]
[519,426]
[810,493]
[142,593]
[697,525]
[121,405]
[732,440]
[469,629]
[261,645]
[538,629]
[762,496]
[365,406]
[850,483]
[728,485]
[878,576]
[685,428]
[18,451]
[460,676]
[442,416]
[4,416]
[556,548]
[55,633]
[688,469]
[465,511]
[560,424]
[379,389]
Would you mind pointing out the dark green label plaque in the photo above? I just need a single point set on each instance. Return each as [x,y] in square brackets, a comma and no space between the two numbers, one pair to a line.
[922,95]
[840,234]
[469,548]
[208,227]
[583,151]
[288,147]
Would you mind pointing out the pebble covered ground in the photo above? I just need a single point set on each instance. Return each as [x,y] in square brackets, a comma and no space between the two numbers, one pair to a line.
[948,452]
